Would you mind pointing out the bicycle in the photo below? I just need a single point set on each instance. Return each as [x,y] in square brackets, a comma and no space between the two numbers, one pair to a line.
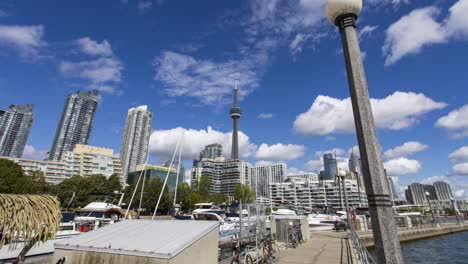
[298,230]
[270,250]
[241,255]
[292,241]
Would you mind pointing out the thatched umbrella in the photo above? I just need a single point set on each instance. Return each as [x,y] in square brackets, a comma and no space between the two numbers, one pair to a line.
[32,218]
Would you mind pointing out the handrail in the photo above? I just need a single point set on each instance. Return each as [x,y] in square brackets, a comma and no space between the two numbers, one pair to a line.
[362,252]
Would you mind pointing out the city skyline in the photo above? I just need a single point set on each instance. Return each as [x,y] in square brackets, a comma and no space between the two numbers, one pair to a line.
[279,93]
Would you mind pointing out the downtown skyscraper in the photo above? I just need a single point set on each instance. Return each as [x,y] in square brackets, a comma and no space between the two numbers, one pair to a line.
[75,123]
[134,149]
[15,124]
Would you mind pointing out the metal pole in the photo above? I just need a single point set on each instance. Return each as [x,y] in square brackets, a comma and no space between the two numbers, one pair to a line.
[141,193]
[430,208]
[384,229]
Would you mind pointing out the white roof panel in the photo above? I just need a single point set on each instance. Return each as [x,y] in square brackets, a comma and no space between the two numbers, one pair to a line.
[150,238]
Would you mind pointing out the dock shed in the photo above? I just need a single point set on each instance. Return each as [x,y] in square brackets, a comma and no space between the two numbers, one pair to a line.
[144,242]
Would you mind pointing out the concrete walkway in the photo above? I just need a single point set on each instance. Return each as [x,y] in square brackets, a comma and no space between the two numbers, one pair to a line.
[322,247]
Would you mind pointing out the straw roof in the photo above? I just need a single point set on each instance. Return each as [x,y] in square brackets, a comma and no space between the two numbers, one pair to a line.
[28,216]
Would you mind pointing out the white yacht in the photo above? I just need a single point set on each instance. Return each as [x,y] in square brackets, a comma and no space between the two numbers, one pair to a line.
[283,211]
[318,222]
[225,228]
[205,207]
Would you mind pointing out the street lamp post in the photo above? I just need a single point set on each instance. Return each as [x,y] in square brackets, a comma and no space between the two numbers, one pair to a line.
[430,206]
[343,13]
[454,208]
[342,173]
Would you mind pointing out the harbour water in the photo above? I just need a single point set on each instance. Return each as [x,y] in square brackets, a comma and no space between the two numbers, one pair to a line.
[450,248]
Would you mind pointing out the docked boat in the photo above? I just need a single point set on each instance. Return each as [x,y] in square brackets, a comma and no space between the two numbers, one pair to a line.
[207,207]
[318,222]
[225,227]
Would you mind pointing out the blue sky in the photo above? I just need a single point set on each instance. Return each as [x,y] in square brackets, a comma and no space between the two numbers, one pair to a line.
[180,58]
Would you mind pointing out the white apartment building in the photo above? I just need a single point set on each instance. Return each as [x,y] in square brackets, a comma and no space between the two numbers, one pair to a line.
[224,174]
[87,160]
[84,160]
[307,194]
[262,176]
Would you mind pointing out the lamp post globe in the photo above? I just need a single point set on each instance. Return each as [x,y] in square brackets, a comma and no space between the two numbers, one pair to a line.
[336,8]
[341,173]
[427,194]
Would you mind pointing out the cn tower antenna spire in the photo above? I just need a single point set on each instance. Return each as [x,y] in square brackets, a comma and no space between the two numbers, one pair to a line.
[235,114]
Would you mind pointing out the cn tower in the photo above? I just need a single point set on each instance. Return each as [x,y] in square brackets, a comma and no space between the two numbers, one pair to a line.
[235,114]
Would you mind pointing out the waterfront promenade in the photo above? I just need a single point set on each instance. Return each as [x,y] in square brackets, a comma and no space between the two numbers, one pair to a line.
[322,247]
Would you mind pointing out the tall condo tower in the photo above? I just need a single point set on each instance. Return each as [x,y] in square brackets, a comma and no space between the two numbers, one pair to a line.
[235,114]
[134,149]
[15,124]
[75,124]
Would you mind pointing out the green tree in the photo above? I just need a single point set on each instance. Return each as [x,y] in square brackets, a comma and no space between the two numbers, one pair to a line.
[113,183]
[35,183]
[187,197]
[12,178]
[219,198]
[151,195]
[202,187]
[244,192]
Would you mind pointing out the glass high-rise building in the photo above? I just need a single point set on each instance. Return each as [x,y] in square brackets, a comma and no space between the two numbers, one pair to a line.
[75,123]
[134,149]
[15,124]
[329,163]
[212,151]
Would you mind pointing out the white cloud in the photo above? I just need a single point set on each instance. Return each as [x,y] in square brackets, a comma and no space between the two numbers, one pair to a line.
[419,28]
[144,6]
[402,166]
[337,151]
[459,169]
[265,115]
[279,152]
[94,48]
[209,81]
[457,21]
[295,171]
[404,150]
[27,40]
[395,112]
[314,165]
[456,122]
[366,31]
[460,155]
[409,34]
[163,142]
[35,154]
[102,73]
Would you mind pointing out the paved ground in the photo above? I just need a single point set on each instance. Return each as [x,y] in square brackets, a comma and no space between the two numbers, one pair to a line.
[323,247]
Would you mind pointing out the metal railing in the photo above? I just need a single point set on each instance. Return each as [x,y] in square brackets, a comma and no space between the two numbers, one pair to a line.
[362,253]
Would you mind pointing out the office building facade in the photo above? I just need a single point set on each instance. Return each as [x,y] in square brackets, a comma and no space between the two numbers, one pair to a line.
[15,125]
[329,163]
[75,123]
[135,142]
[443,191]
[416,193]
[154,171]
